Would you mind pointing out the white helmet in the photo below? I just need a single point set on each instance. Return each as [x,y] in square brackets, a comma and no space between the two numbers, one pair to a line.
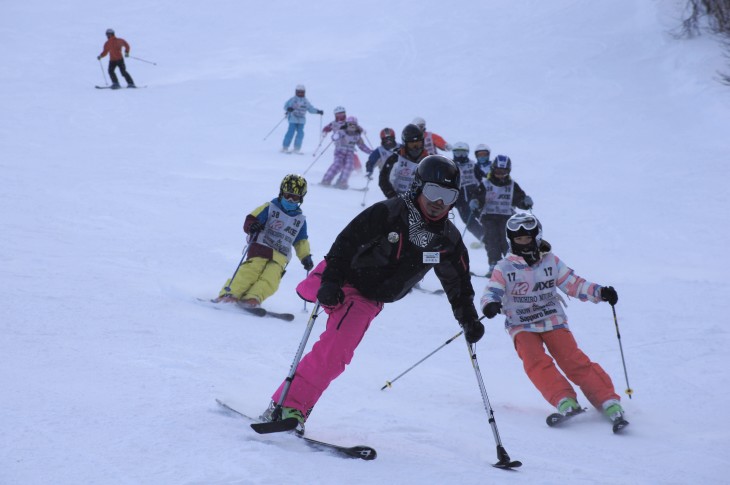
[339,109]
[482,148]
[460,145]
[300,87]
[419,122]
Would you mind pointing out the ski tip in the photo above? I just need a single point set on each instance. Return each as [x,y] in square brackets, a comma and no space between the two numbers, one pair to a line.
[288,424]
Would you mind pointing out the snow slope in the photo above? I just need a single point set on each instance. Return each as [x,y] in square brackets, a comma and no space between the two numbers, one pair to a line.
[119,209]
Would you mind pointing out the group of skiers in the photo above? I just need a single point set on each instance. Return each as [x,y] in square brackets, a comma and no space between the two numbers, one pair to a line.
[383,253]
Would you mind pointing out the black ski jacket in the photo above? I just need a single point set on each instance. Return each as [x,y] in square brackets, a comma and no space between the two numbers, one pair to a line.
[382,251]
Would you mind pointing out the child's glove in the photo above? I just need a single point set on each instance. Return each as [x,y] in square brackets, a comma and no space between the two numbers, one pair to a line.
[307,262]
[609,294]
[527,201]
[255,227]
[491,309]
[320,112]
[289,109]
[474,204]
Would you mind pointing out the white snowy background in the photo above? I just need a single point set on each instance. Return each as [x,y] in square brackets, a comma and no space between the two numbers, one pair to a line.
[118,210]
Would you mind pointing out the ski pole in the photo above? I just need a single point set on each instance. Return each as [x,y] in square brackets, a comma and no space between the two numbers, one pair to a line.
[504,460]
[370,145]
[276,414]
[143,60]
[321,139]
[305,301]
[276,126]
[365,194]
[390,383]
[629,391]
[103,74]
[318,157]
[243,258]
[468,221]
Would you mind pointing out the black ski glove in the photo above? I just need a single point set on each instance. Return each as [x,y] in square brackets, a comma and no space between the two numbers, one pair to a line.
[320,112]
[473,330]
[255,227]
[491,309]
[289,109]
[330,294]
[307,262]
[609,294]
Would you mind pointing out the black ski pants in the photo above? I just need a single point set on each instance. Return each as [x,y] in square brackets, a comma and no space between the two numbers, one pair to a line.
[122,68]
[495,236]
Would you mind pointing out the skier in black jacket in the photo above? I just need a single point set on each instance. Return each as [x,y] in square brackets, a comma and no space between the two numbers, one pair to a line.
[378,258]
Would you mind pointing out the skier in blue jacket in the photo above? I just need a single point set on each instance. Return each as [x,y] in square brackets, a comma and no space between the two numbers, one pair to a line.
[297,107]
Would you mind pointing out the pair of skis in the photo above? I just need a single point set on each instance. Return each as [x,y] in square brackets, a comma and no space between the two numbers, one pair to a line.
[289,424]
[556,419]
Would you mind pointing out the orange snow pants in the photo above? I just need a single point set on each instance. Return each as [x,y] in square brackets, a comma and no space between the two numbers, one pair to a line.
[593,381]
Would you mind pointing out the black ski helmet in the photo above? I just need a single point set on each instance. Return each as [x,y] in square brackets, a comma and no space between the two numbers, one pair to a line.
[411,133]
[435,169]
[525,224]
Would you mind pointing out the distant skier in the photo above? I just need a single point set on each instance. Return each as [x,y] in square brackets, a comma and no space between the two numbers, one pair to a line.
[498,196]
[378,258]
[523,287]
[482,153]
[338,123]
[346,139]
[273,229]
[399,169]
[468,190]
[297,107]
[431,141]
[378,157]
[113,46]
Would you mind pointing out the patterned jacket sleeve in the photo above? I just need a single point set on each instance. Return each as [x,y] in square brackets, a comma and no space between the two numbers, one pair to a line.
[573,285]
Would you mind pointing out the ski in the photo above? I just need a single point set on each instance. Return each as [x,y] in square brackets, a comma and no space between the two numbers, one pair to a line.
[357,189]
[258,311]
[429,292]
[556,418]
[361,452]
[479,275]
[109,87]
[263,312]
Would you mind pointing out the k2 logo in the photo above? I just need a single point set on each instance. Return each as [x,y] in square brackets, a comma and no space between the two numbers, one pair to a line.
[520,288]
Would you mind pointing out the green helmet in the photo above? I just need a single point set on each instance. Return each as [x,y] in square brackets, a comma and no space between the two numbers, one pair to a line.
[293,184]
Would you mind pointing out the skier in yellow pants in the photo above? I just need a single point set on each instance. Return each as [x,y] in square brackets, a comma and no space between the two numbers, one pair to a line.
[273,228]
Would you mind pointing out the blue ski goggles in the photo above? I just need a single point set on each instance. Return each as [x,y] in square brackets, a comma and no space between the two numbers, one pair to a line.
[434,192]
[528,221]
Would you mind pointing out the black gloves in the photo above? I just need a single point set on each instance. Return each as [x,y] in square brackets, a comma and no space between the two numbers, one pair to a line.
[320,112]
[307,262]
[491,309]
[527,201]
[330,294]
[255,227]
[289,109]
[473,330]
[609,294]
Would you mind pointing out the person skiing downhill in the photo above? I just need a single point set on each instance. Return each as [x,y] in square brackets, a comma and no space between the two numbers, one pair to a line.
[523,287]
[468,190]
[346,139]
[431,141]
[338,123]
[482,153]
[497,197]
[397,174]
[378,157]
[273,229]
[297,107]
[113,46]
[377,259]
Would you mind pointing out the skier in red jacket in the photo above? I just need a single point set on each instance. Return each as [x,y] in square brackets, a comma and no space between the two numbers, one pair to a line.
[113,46]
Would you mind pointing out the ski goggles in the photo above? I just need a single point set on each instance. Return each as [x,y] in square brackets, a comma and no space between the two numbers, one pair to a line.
[527,221]
[292,197]
[434,192]
[461,153]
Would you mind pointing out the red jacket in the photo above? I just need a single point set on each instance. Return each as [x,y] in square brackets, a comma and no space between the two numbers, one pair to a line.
[113,47]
